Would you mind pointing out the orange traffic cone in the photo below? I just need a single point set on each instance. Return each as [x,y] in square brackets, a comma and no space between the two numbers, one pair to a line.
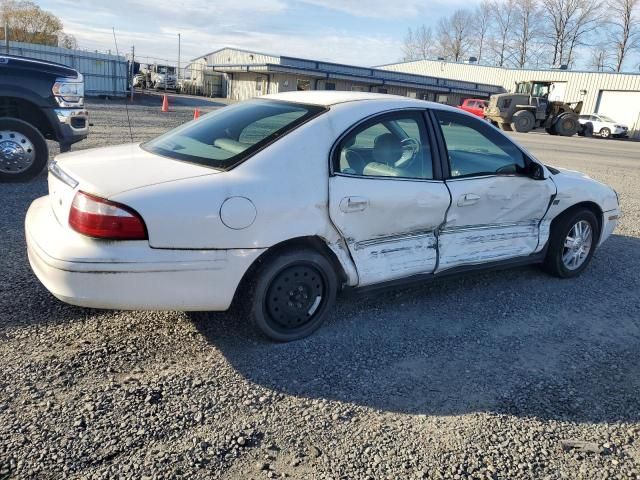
[196,113]
[165,104]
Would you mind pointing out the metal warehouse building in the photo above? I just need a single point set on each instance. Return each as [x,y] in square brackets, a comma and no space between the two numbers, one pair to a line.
[245,74]
[614,94]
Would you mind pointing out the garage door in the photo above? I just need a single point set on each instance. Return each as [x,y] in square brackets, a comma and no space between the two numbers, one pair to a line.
[623,107]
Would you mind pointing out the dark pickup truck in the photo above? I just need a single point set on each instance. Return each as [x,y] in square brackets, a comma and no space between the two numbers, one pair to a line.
[38,100]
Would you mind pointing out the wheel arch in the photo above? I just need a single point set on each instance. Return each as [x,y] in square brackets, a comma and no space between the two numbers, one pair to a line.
[15,106]
[589,205]
[311,242]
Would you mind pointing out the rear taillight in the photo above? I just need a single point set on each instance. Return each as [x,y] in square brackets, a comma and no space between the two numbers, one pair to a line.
[100,218]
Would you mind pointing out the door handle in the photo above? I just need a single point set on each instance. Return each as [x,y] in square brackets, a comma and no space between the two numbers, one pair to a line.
[468,199]
[353,204]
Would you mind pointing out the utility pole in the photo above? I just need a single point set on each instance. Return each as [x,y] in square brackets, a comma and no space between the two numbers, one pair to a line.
[6,36]
[133,67]
[178,75]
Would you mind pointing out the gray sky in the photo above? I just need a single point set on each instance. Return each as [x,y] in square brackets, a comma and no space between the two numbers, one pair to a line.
[362,32]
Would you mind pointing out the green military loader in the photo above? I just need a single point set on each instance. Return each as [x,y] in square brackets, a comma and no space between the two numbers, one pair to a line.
[529,107]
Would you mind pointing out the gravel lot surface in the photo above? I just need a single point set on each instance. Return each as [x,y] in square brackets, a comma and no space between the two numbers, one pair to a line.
[500,375]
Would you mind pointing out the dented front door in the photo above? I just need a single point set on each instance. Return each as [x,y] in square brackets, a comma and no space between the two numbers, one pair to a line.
[389,225]
[493,218]
[496,207]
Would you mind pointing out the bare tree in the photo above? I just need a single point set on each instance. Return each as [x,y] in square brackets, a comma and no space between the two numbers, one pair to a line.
[624,28]
[525,29]
[504,14]
[482,20]
[586,21]
[599,56]
[418,44]
[454,35]
[570,21]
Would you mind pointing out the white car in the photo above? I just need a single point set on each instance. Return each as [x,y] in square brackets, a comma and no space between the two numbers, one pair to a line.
[604,126]
[281,202]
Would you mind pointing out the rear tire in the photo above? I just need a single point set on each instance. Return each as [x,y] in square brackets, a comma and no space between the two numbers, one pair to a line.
[523,121]
[23,150]
[566,256]
[291,293]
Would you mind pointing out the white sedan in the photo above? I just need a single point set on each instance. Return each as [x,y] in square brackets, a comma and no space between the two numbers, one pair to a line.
[280,202]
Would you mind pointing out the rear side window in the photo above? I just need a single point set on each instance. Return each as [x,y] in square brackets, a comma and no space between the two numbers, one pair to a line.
[230,135]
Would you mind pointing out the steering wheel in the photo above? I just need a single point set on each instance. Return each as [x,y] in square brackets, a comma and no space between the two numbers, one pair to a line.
[355,162]
[410,149]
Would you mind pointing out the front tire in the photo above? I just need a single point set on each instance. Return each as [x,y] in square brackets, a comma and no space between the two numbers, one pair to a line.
[605,133]
[567,124]
[291,294]
[23,150]
[572,243]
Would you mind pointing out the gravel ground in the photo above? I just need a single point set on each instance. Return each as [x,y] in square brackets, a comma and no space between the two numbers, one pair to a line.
[500,375]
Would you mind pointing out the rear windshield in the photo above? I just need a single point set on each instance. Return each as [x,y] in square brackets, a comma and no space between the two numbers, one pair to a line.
[228,136]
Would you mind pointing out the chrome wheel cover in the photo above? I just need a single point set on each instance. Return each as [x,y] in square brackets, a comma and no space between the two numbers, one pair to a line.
[577,245]
[17,152]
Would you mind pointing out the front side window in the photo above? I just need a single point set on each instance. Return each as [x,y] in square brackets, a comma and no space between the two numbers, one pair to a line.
[475,148]
[394,145]
[228,136]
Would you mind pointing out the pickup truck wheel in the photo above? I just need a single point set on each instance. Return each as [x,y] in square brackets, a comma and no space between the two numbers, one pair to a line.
[572,242]
[291,294]
[23,150]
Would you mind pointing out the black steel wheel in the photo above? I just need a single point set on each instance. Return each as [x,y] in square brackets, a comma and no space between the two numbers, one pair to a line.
[295,295]
[291,293]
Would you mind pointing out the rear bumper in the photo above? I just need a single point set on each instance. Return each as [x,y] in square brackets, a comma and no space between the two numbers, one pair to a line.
[129,275]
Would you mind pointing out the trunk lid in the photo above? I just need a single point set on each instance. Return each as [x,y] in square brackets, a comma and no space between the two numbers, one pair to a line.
[105,172]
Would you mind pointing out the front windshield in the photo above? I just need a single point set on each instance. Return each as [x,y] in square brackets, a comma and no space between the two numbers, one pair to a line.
[228,136]
[607,119]
[540,90]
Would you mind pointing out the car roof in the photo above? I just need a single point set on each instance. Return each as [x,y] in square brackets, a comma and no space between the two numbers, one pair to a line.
[327,98]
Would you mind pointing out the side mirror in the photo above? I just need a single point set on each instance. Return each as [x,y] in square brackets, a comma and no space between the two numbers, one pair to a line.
[535,171]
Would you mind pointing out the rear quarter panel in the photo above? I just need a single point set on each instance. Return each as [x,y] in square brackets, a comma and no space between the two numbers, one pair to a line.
[287,183]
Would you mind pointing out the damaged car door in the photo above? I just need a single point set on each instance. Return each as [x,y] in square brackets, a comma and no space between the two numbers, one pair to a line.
[385,198]
[497,204]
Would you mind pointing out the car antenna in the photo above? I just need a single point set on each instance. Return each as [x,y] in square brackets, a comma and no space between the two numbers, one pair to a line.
[126,106]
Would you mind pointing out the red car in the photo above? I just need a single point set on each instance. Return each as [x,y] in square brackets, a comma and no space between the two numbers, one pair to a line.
[475,106]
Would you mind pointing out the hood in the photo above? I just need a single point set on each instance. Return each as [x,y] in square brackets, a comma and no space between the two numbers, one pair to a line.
[111,170]
[574,187]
